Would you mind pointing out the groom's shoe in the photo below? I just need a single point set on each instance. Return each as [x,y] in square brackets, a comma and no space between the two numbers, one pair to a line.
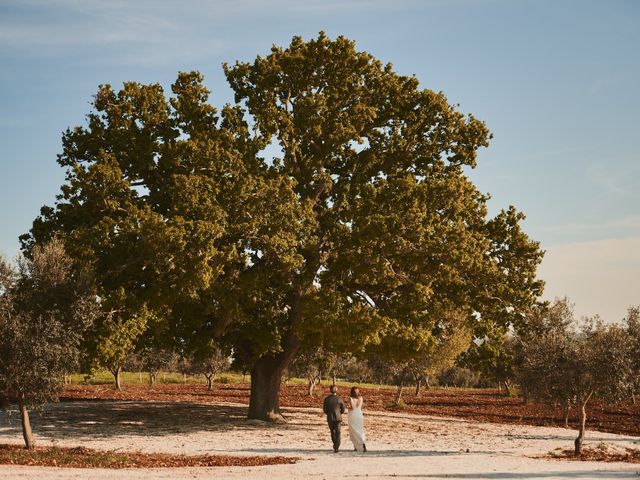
[335,450]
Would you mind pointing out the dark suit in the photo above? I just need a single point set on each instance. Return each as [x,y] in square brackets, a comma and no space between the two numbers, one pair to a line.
[333,409]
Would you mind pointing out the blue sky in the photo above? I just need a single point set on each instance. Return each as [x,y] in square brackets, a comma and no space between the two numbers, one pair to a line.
[556,82]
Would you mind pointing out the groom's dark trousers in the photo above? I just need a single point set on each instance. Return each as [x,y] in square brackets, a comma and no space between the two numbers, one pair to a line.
[334,427]
[333,409]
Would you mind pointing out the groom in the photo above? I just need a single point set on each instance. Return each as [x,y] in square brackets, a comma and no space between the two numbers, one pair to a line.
[333,409]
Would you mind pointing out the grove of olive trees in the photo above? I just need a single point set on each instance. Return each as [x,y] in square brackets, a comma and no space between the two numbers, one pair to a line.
[561,362]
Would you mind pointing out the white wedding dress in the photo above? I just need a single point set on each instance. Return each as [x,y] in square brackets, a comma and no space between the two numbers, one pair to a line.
[356,424]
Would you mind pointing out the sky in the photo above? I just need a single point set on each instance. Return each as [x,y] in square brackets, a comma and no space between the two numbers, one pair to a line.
[556,82]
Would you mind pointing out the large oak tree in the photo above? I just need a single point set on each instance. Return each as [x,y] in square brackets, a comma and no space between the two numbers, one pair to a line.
[364,232]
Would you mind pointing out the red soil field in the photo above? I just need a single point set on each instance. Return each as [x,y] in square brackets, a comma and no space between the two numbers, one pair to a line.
[81,457]
[480,405]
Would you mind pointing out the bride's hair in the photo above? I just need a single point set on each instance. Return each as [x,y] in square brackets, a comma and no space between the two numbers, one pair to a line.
[355,393]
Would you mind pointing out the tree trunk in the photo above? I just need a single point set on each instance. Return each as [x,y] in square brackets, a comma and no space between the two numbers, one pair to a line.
[418,385]
[152,378]
[506,391]
[581,427]
[426,382]
[266,373]
[116,375]
[334,378]
[398,398]
[209,381]
[566,408]
[29,442]
[266,377]
[312,385]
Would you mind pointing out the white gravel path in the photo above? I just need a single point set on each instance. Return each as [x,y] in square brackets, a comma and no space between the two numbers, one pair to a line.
[400,446]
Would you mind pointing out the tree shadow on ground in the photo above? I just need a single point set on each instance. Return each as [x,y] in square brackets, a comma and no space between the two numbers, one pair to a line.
[347,452]
[101,419]
[549,474]
[590,437]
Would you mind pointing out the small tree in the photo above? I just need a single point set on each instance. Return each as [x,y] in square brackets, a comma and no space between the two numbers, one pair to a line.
[115,339]
[153,359]
[316,363]
[460,377]
[553,322]
[45,307]
[357,370]
[184,366]
[632,322]
[210,362]
[493,357]
[308,364]
[451,341]
[393,372]
[545,368]
[603,368]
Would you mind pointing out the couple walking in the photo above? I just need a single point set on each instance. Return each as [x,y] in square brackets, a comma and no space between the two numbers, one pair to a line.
[334,408]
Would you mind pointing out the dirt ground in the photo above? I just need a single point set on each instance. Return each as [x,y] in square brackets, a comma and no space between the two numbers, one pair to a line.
[482,405]
[400,445]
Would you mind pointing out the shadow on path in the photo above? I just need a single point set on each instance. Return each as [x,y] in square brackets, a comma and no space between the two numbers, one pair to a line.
[549,474]
[100,419]
[370,453]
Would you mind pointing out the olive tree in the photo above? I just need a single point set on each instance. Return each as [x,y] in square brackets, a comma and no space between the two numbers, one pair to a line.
[154,358]
[448,345]
[632,322]
[317,363]
[209,361]
[45,307]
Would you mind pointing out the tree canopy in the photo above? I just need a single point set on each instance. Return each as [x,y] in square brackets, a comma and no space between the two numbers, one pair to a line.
[364,232]
[46,305]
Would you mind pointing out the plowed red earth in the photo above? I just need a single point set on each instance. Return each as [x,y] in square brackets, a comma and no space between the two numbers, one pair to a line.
[628,455]
[80,457]
[481,405]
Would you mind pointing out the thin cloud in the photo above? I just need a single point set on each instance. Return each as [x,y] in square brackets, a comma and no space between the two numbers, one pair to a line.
[115,38]
[631,222]
[619,181]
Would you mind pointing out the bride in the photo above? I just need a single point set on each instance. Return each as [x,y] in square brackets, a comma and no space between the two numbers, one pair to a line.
[356,421]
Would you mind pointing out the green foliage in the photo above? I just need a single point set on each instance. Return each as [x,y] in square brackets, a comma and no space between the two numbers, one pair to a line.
[225,379]
[395,234]
[45,307]
[210,361]
[569,364]
[632,322]
[115,337]
[493,357]
[366,224]
[460,377]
